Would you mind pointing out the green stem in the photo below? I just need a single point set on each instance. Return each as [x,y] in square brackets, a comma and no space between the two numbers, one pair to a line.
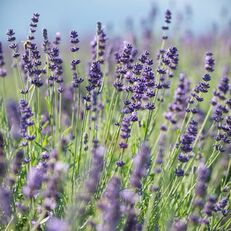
[202,126]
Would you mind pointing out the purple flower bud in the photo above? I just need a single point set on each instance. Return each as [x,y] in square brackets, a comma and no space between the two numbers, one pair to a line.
[209,62]
[206,77]
[120,163]
[179,225]
[171,58]
[45,156]
[209,207]
[203,172]
[222,203]
[179,172]
[10,33]
[183,157]
[194,219]
[57,38]
[219,113]
[168,16]
[222,89]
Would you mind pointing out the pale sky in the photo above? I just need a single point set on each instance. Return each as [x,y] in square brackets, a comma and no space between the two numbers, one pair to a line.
[82,15]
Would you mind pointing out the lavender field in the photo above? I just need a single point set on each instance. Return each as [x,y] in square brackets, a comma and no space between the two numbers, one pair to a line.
[117,132]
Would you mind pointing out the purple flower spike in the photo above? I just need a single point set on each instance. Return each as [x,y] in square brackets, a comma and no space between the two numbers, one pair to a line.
[5,205]
[25,122]
[168,16]
[57,38]
[3,71]
[75,62]
[176,110]
[96,168]
[95,76]
[13,46]
[179,172]
[33,26]
[10,33]
[179,225]
[3,164]
[34,182]
[110,206]
[46,44]
[140,164]
[209,62]
[55,224]
[189,137]
[99,44]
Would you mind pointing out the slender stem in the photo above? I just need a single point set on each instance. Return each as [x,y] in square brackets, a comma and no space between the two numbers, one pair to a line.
[202,126]
[39,220]
[60,112]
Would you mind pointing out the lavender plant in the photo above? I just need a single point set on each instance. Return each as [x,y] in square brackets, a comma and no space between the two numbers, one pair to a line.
[119,139]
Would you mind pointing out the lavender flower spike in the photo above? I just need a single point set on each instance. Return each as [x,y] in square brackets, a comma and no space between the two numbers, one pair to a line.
[3,72]
[5,205]
[34,182]
[140,163]
[55,224]
[96,168]
[209,62]
[188,138]
[110,206]
[179,225]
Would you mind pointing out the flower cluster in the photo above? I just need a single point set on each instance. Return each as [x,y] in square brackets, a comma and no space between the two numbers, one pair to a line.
[140,164]
[3,72]
[110,205]
[176,110]
[220,116]
[33,183]
[75,62]
[99,44]
[209,62]
[57,40]
[33,26]
[167,162]
[168,17]
[186,143]
[200,191]
[94,84]
[13,46]
[46,43]
[16,167]
[26,121]
[140,85]
[55,66]
[124,61]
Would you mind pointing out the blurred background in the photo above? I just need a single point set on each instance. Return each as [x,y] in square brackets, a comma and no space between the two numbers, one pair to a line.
[196,16]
